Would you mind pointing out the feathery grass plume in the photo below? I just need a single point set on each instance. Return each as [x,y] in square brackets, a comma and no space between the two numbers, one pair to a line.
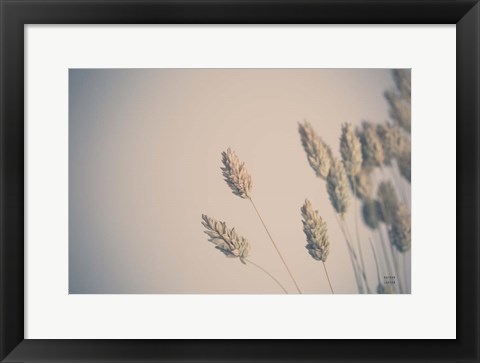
[403,81]
[400,231]
[388,201]
[400,110]
[236,174]
[403,141]
[319,154]
[371,212]
[337,187]
[231,244]
[385,289]
[372,151]
[351,150]
[363,184]
[315,229]
[391,141]
[225,239]
[405,163]
[238,179]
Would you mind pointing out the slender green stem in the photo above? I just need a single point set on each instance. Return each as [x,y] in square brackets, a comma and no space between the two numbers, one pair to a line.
[275,245]
[328,278]
[268,273]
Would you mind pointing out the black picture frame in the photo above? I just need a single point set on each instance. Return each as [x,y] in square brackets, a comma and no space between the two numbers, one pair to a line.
[16,13]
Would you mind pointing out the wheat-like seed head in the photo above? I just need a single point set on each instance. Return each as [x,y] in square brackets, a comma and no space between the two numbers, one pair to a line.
[315,230]
[403,81]
[351,150]
[390,138]
[225,239]
[236,174]
[319,154]
[400,231]
[388,201]
[400,110]
[372,151]
[363,184]
[371,213]
[403,141]
[396,144]
[337,187]
[404,160]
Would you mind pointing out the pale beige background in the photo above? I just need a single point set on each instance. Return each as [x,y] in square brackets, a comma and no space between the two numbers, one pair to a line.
[144,164]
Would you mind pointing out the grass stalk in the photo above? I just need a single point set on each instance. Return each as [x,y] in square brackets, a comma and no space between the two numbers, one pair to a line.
[268,273]
[328,278]
[353,258]
[379,279]
[275,245]
[395,264]
[360,252]
[362,270]
[388,263]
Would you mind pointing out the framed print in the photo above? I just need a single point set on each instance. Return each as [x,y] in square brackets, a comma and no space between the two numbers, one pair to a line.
[239,181]
[139,162]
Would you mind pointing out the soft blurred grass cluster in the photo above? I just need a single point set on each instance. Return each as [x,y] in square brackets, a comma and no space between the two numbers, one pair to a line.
[366,181]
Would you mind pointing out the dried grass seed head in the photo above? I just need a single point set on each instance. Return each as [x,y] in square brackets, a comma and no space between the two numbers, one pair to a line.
[390,138]
[351,150]
[337,187]
[400,230]
[226,239]
[363,184]
[319,154]
[400,110]
[404,160]
[396,145]
[315,230]
[236,174]
[403,81]
[372,150]
[371,213]
[388,201]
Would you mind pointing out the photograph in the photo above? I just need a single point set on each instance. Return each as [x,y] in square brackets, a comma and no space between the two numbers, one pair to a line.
[239,181]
